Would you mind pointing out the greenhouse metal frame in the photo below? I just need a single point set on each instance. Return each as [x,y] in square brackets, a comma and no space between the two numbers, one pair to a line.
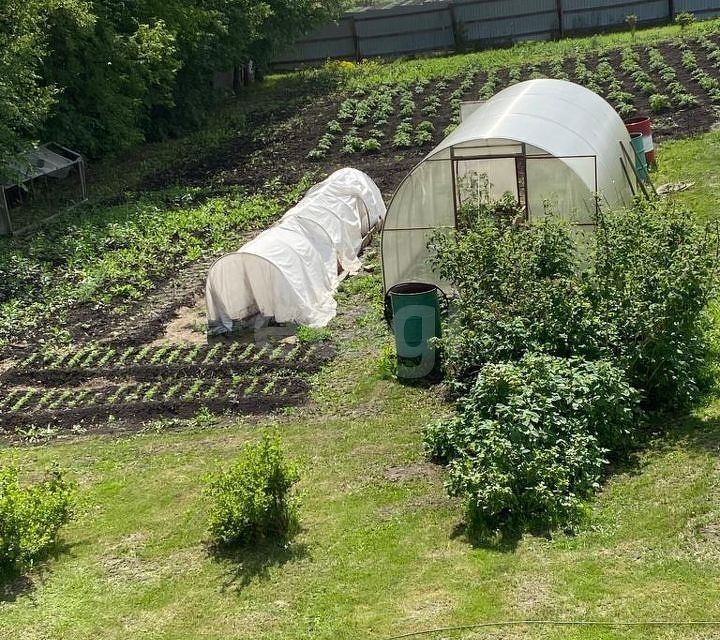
[543,141]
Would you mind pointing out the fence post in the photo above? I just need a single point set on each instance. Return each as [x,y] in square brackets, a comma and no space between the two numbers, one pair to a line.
[453,22]
[671,9]
[561,30]
[356,38]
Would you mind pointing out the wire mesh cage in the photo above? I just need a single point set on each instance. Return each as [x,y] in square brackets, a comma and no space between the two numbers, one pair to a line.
[39,185]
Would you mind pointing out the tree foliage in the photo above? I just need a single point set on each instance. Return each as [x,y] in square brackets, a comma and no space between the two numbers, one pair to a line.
[25,97]
[102,75]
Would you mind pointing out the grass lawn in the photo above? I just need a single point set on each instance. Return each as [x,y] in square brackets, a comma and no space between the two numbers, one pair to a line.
[382,550]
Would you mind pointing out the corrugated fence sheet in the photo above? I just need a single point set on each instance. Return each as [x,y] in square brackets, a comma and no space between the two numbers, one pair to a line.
[701,8]
[507,20]
[415,26]
[582,15]
[405,29]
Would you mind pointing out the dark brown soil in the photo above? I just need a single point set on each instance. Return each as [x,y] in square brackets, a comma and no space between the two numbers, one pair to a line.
[139,411]
[87,386]
[282,152]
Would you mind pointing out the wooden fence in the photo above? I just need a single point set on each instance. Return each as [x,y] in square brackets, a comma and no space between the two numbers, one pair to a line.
[409,27]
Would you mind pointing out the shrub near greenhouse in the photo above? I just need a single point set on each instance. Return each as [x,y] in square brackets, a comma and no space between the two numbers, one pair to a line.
[593,334]
[637,296]
[530,440]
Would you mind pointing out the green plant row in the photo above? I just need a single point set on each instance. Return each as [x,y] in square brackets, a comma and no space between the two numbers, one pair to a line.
[96,356]
[27,400]
[416,105]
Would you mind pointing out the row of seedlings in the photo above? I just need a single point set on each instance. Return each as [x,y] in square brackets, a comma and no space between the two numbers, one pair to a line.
[677,95]
[263,392]
[104,359]
[709,84]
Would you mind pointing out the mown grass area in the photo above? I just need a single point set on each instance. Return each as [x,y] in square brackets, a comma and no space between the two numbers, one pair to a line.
[381,551]
[693,160]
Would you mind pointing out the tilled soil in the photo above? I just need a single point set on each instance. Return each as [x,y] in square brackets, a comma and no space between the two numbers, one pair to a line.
[87,386]
[283,149]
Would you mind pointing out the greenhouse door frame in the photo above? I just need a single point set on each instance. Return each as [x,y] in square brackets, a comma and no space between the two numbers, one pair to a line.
[521,176]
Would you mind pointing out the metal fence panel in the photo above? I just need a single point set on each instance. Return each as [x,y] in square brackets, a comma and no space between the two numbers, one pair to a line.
[584,15]
[487,21]
[336,41]
[407,43]
[405,30]
[414,26]
[701,8]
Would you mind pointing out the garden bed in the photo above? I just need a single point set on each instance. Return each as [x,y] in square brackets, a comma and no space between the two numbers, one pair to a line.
[86,386]
[406,120]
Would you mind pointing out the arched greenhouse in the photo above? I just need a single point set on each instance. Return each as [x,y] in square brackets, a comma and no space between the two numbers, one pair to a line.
[546,142]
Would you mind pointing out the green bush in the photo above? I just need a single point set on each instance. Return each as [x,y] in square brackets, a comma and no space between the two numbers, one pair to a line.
[530,441]
[651,277]
[516,293]
[31,516]
[635,295]
[684,19]
[251,500]
[553,344]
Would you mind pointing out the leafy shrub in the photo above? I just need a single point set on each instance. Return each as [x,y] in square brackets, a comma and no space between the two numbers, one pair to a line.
[252,499]
[684,19]
[31,516]
[529,442]
[515,293]
[551,349]
[652,274]
[638,300]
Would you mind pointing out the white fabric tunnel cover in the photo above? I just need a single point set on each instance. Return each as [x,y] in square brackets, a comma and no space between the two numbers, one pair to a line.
[570,143]
[290,271]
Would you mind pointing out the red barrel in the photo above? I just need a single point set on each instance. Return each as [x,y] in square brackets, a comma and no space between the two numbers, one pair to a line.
[642,125]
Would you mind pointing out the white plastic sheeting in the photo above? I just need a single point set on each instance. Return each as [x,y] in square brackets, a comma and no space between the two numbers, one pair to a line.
[567,138]
[290,271]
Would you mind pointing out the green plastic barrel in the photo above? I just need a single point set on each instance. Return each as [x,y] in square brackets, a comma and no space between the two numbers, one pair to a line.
[414,314]
[638,145]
